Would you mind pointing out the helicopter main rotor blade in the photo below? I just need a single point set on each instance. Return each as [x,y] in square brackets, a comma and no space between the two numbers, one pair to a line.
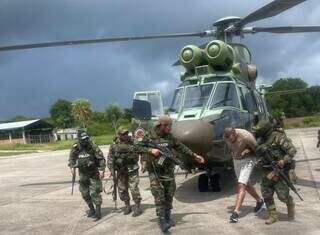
[283,29]
[286,92]
[104,40]
[272,9]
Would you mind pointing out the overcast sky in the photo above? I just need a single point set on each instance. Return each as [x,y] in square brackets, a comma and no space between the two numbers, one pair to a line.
[32,80]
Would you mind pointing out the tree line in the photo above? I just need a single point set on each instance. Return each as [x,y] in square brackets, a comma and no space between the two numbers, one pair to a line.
[66,114]
[301,104]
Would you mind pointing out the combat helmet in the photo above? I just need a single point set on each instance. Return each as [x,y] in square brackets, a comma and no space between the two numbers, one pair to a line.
[122,130]
[263,129]
[82,135]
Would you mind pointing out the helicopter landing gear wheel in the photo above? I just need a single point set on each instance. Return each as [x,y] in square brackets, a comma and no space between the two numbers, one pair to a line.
[203,183]
[215,182]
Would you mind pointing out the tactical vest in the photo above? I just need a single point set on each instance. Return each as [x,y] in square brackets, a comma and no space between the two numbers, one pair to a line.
[86,158]
[275,150]
[124,155]
[167,167]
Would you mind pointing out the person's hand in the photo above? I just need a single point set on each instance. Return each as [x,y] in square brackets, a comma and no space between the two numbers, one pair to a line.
[281,163]
[72,171]
[101,174]
[261,149]
[155,152]
[245,152]
[199,159]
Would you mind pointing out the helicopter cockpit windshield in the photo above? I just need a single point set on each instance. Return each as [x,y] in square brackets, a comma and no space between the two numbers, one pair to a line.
[225,95]
[189,96]
[197,96]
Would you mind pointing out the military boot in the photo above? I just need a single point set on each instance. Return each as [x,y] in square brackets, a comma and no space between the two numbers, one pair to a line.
[127,210]
[164,225]
[97,215]
[168,218]
[273,217]
[137,210]
[291,210]
[91,211]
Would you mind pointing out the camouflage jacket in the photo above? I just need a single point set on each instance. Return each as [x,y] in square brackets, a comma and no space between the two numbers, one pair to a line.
[87,158]
[279,146]
[124,155]
[166,171]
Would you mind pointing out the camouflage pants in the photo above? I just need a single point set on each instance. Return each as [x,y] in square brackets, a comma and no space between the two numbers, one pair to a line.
[163,193]
[129,180]
[268,187]
[90,187]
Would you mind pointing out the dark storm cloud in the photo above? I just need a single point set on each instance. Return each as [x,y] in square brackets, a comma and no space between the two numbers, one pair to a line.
[31,80]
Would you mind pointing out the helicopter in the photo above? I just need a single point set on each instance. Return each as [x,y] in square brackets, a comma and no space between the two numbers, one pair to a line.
[218,88]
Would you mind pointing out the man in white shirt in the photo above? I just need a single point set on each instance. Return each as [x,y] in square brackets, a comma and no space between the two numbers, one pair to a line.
[243,145]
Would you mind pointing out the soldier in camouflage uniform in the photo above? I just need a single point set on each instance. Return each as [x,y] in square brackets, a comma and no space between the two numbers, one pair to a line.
[123,157]
[89,159]
[278,122]
[162,179]
[283,152]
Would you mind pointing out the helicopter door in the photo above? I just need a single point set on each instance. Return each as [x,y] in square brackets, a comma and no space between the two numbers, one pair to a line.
[155,99]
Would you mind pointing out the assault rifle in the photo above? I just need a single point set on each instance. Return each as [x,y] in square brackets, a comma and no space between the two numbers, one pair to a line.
[278,171]
[115,188]
[73,179]
[166,153]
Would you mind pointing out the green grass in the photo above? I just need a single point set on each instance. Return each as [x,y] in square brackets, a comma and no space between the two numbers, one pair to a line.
[59,145]
[4,154]
[302,122]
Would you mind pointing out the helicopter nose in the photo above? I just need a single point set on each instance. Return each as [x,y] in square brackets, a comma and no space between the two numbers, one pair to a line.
[196,134]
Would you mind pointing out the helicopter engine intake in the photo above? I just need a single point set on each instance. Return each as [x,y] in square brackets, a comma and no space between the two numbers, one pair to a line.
[219,54]
[191,56]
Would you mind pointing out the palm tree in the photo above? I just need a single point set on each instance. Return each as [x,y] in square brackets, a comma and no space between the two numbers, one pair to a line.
[81,111]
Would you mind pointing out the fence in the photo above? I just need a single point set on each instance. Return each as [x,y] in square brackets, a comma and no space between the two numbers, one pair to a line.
[39,139]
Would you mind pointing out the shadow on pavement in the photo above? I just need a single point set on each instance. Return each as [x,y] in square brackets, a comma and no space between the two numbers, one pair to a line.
[179,217]
[308,160]
[307,183]
[245,210]
[46,183]
[188,192]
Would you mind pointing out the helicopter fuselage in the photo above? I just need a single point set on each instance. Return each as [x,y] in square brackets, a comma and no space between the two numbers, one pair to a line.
[217,90]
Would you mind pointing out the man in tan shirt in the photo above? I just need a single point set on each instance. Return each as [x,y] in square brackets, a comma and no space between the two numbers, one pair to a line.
[243,145]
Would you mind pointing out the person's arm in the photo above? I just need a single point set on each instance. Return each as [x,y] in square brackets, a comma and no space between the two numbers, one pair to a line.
[250,145]
[183,149]
[110,158]
[101,161]
[286,145]
[73,156]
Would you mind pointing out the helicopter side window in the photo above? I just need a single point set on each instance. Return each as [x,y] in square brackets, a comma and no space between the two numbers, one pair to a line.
[251,101]
[197,96]
[177,100]
[243,99]
[225,95]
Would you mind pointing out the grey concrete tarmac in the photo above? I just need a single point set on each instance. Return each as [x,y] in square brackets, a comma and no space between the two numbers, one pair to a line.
[35,199]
